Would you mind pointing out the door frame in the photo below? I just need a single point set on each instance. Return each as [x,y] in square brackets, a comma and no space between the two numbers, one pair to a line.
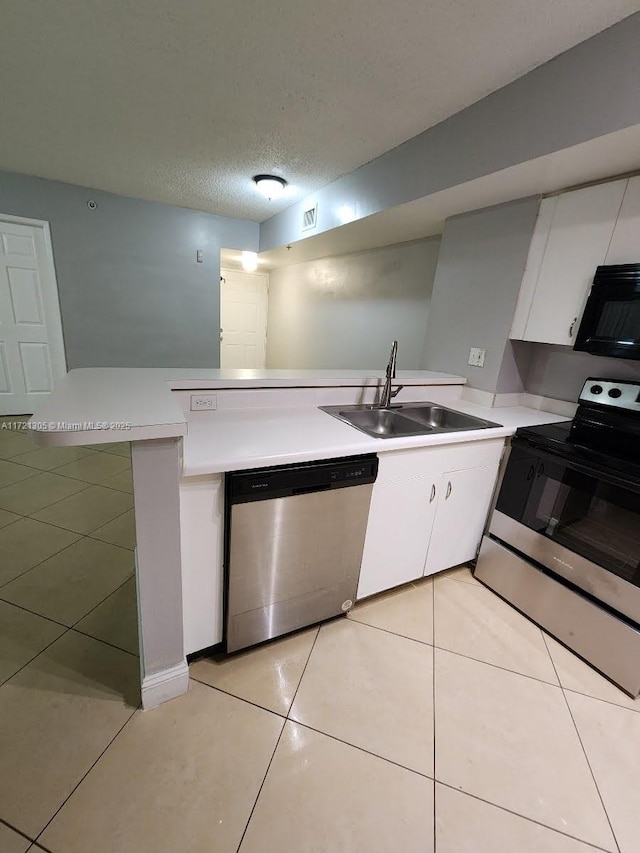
[50,294]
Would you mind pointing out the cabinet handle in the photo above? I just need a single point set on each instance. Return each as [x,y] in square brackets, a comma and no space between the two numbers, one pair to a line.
[448,490]
[433,494]
[571,327]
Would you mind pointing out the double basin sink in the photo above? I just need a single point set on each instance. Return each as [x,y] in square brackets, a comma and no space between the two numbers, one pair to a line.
[406,419]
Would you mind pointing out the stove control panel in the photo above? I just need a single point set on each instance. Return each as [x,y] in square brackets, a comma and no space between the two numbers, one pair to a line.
[609,392]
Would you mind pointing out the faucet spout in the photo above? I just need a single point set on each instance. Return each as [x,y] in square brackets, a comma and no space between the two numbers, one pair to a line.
[387,392]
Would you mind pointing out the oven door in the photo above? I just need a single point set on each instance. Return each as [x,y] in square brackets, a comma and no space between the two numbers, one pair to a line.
[578,524]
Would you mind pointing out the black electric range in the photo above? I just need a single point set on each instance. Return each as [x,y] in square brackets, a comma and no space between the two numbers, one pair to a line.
[564,539]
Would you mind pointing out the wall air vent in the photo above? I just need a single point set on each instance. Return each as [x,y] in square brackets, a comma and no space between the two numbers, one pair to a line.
[310,218]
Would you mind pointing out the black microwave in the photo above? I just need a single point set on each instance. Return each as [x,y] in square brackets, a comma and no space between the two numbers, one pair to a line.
[611,321]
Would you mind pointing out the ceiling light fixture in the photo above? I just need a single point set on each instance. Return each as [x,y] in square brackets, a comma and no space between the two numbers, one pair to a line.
[249,261]
[271,186]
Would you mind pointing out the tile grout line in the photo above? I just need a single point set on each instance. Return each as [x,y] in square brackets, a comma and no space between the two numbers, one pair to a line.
[70,627]
[306,664]
[57,554]
[16,830]
[84,775]
[42,651]
[586,757]
[239,698]
[71,544]
[264,779]
[362,749]
[67,630]
[458,654]
[497,666]
[59,500]
[521,816]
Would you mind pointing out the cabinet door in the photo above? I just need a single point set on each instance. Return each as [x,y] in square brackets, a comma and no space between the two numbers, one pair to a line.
[537,249]
[462,510]
[400,521]
[625,243]
[578,241]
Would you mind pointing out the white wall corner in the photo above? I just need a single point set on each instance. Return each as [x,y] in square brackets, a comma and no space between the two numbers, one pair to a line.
[548,404]
[476,395]
[164,685]
[515,399]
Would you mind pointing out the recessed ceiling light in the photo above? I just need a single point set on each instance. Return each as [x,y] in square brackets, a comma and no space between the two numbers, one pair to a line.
[271,186]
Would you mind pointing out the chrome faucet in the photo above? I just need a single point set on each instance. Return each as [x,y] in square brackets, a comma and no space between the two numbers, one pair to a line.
[387,392]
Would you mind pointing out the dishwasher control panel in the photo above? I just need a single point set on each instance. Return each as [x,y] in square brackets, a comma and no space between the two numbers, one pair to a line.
[283,480]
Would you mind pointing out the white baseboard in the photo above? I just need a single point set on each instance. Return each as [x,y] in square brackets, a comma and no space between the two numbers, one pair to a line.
[165,685]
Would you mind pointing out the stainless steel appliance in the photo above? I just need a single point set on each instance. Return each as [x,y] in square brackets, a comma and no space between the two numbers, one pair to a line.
[564,539]
[294,542]
[610,323]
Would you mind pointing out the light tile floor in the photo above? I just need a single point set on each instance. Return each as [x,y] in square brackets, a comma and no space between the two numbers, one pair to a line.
[433,718]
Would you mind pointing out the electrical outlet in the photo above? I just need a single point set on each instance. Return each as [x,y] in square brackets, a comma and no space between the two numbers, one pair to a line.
[476,357]
[203,402]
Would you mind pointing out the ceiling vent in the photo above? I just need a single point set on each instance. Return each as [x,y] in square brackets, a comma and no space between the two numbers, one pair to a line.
[310,218]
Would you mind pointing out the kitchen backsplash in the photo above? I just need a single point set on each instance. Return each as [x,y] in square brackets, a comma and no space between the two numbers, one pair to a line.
[559,372]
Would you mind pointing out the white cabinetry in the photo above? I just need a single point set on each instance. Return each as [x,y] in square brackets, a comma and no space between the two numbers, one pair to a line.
[463,503]
[571,239]
[201,541]
[428,510]
[625,243]
[400,520]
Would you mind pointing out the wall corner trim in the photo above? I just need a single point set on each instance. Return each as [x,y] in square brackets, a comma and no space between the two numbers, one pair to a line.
[164,685]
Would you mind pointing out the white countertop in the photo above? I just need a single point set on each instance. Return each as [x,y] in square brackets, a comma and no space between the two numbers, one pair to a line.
[234,439]
[102,405]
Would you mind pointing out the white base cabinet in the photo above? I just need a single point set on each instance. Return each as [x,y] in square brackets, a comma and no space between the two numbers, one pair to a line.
[463,503]
[428,511]
[400,520]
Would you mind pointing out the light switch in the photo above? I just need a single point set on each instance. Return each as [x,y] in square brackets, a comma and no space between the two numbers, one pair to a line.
[200,256]
[476,357]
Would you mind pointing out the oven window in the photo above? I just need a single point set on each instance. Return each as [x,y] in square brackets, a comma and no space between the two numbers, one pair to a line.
[619,320]
[595,519]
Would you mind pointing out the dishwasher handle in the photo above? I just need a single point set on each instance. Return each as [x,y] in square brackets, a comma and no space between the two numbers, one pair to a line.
[306,490]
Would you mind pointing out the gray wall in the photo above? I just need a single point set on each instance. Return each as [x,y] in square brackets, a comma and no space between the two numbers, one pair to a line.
[344,312]
[586,92]
[131,292]
[482,260]
[559,372]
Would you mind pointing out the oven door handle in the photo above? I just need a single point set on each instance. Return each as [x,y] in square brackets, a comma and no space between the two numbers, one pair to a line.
[596,471]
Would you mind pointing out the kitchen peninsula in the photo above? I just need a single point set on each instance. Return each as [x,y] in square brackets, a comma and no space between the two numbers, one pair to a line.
[246,419]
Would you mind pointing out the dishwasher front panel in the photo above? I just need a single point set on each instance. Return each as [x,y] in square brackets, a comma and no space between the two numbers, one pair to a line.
[293,561]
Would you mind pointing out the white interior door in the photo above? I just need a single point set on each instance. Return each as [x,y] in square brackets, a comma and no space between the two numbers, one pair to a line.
[243,319]
[31,343]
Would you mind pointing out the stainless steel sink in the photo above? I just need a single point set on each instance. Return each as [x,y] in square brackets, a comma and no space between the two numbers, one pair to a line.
[382,423]
[443,419]
[406,419]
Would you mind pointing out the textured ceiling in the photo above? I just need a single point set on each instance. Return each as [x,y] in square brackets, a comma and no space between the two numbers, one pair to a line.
[183,101]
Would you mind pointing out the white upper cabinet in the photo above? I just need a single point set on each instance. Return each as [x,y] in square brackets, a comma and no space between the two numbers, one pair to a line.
[625,243]
[571,239]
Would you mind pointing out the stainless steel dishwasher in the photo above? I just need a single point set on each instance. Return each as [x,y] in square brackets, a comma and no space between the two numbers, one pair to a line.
[294,541]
